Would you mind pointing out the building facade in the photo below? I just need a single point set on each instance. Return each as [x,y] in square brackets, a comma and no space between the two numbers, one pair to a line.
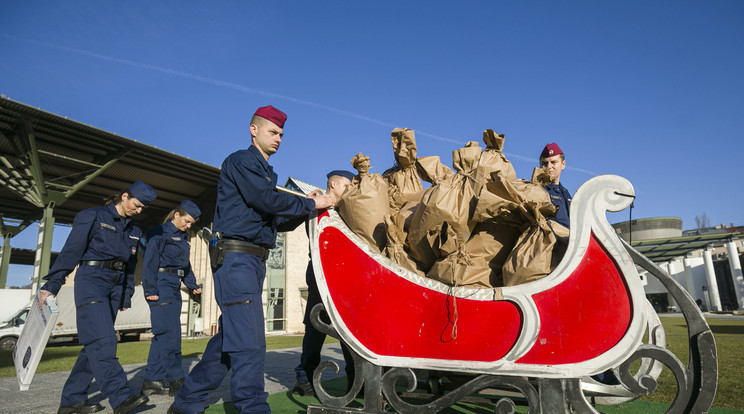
[284,290]
[706,262]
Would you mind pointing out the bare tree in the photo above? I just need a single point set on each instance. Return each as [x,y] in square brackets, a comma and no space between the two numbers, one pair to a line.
[702,221]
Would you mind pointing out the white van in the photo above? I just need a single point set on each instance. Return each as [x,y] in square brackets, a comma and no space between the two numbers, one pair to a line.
[129,323]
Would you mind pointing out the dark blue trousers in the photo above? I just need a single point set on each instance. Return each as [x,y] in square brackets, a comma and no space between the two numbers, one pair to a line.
[240,343]
[312,342]
[98,296]
[312,345]
[164,360]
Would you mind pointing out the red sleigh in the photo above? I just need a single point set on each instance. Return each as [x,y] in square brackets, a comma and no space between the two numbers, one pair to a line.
[589,315]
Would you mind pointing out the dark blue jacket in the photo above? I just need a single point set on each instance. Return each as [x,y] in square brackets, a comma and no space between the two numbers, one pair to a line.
[561,198]
[98,233]
[166,247]
[249,207]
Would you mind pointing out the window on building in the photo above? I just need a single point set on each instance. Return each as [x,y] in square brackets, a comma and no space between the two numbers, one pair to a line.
[275,286]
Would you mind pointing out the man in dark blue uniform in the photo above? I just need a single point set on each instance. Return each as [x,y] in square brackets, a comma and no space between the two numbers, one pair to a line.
[553,159]
[103,243]
[248,214]
[312,341]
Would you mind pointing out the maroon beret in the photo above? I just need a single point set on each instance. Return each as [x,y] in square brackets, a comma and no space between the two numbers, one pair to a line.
[551,150]
[272,114]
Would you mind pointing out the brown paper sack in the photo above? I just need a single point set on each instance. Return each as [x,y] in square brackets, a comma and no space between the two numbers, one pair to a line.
[528,195]
[396,239]
[492,160]
[499,223]
[492,241]
[501,206]
[532,257]
[431,169]
[404,183]
[364,205]
[451,200]
[456,267]
[407,212]
[541,176]
[561,244]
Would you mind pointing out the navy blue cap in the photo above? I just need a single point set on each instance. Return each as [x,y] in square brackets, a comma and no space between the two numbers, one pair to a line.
[142,192]
[190,208]
[343,173]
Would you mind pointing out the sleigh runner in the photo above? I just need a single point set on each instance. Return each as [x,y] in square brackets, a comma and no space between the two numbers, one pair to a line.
[587,316]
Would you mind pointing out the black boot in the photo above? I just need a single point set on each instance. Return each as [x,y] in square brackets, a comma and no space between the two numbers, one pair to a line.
[154,387]
[174,386]
[304,388]
[131,403]
[172,410]
[82,407]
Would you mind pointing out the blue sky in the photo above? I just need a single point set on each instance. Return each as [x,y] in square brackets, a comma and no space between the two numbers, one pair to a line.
[652,91]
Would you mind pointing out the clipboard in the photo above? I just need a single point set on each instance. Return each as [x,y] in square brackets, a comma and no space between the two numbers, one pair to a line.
[33,339]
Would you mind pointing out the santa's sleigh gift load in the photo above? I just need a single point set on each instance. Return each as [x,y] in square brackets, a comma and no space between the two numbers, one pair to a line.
[476,226]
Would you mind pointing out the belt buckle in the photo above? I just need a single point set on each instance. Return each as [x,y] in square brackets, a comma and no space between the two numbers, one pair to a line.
[180,272]
[118,266]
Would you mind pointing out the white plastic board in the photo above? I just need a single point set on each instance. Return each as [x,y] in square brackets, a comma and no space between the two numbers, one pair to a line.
[33,339]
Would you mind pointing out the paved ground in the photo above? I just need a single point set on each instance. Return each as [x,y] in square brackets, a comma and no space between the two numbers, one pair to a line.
[44,393]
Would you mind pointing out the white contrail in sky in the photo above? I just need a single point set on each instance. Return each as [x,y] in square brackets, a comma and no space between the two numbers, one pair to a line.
[246,89]
[225,84]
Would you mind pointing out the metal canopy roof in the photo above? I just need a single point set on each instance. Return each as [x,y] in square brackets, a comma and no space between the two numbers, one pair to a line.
[28,257]
[664,249]
[47,159]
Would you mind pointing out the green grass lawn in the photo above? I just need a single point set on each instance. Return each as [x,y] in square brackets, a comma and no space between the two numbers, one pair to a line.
[729,336]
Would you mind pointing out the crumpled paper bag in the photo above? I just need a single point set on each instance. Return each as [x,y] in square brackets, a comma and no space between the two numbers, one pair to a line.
[537,253]
[492,160]
[493,241]
[456,267]
[404,183]
[451,200]
[431,169]
[365,204]
[407,211]
[512,233]
[541,176]
[396,240]
[513,200]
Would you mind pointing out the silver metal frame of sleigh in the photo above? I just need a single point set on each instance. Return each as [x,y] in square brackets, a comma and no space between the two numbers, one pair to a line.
[541,341]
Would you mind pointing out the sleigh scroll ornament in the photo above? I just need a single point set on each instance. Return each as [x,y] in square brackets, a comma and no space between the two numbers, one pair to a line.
[539,339]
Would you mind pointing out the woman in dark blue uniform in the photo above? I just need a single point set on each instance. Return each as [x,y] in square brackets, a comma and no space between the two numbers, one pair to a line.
[166,263]
[103,243]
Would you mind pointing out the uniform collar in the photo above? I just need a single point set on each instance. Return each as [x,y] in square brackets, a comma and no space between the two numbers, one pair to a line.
[115,213]
[169,227]
[256,153]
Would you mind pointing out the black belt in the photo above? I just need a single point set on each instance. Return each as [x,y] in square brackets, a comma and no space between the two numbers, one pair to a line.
[239,246]
[108,264]
[172,270]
